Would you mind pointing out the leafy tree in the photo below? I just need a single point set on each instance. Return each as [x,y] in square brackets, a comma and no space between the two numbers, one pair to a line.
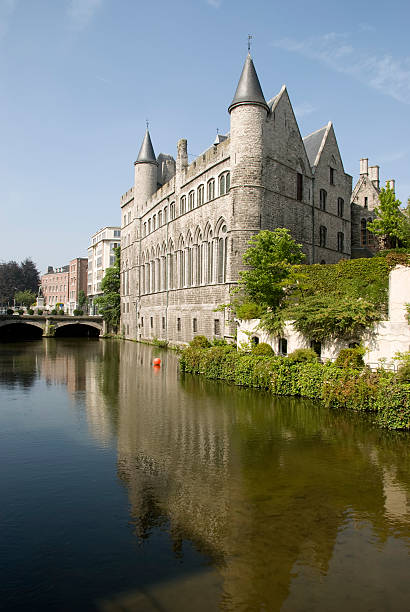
[25,298]
[82,299]
[391,224]
[270,258]
[108,304]
[17,277]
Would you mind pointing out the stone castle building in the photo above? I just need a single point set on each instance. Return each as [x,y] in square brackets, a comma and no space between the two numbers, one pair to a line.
[186,226]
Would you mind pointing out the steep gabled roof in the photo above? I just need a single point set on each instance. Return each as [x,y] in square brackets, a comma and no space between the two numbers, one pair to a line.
[314,144]
[146,153]
[249,90]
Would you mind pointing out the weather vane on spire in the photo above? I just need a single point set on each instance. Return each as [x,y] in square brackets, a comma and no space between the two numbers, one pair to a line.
[249,42]
[147,122]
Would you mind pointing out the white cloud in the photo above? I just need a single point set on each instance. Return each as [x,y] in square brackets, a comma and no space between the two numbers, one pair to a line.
[303,109]
[80,12]
[7,7]
[214,3]
[381,72]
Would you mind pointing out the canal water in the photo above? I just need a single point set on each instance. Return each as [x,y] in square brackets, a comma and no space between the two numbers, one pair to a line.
[127,487]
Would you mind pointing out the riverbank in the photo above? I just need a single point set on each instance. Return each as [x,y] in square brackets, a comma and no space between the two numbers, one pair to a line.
[382,393]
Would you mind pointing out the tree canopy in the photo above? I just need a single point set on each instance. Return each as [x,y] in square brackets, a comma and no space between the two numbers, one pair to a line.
[108,304]
[270,258]
[25,298]
[17,277]
[392,224]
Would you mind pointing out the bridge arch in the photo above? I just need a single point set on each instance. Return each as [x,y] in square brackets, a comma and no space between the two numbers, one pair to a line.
[11,331]
[70,329]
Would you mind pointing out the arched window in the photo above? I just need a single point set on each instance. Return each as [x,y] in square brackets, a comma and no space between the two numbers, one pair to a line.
[363,232]
[165,216]
[200,195]
[322,236]
[191,200]
[189,266]
[211,190]
[171,259]
[370,235]
[222,184]
[340,207]
[172,211]
[154,222]
[199,260]
[322,199]
[149,226]
[181,257]
[209,259]
[160,218]
[182,205]
[222,244]
[145,228]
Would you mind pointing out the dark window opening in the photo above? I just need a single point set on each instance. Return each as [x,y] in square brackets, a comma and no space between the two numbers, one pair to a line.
[151,322]
[163,322]
[363,232]
[178,324]
[299,187]
[255,340]
[365,202]
[217,327]
[283,346]
[332,176]
[322,236]
[340,242]
[194,325]
[340,207]
[317,347]
[322,199]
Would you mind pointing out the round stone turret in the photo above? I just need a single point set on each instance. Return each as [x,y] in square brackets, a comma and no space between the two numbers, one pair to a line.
[145,174]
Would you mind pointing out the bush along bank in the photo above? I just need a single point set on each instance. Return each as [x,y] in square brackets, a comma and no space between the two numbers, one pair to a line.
[384,393]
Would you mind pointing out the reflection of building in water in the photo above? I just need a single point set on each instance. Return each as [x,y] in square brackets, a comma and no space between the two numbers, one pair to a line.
[82,372]
[247,481]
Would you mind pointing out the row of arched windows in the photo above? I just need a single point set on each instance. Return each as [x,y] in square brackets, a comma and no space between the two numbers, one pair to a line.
[188,202]
[198,259]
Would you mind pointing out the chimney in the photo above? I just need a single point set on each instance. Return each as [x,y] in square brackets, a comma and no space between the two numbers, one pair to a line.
[374,176]
[364,164]
[182,154]
[391,184]
[50,270]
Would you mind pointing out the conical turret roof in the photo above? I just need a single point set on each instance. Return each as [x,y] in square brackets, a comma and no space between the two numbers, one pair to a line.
[249,90]
[146,153]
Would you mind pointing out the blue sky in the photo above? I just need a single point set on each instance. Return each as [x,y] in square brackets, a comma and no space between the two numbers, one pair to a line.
[79,78]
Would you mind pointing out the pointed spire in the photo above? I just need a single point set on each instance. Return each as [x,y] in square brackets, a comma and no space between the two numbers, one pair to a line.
[146,153]
[249,90]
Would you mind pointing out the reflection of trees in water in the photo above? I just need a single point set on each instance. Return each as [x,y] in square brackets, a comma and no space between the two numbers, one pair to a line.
[18,365]
[265,483]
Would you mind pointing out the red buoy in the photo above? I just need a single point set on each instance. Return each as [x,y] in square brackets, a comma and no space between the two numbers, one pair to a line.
[157,361]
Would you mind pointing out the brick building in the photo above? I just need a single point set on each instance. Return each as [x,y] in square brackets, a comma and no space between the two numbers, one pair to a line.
[77,282]
[186,226]
[54,285]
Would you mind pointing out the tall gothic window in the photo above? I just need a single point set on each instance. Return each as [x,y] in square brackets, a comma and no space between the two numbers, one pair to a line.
[182,205]
[322,235]
[363,232]
[191,200]
[172,211]
[340,242]
[222,244]
[200,195]
[322,199]
[340,207]
[211,189]
[299,187]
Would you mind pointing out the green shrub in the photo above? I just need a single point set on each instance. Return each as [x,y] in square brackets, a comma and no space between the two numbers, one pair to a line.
[10,311]
[160,343]
[40,311]
[219,342]
[350,358]
[30,311]
[403,373]
[263,348]
[200,342]
[61,312]
[302,355]
[77,312]
[54,311]
[20,311]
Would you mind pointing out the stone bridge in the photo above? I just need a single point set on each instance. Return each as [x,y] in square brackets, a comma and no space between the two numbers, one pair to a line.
[49,326]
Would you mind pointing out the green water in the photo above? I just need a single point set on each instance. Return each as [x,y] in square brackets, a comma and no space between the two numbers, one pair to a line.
[128,487]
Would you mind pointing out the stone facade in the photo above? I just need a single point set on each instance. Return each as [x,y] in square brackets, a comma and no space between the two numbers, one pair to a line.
[101,256]
[185,226]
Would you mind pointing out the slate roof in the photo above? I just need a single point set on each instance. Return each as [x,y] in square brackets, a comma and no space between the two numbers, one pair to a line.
[249,89]
[313,143]
[146,153]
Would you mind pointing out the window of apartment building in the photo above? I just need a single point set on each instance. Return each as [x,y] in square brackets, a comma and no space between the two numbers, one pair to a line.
[191,200]
[322,235]
[217,327]
[117,233]
[363,232]
[194,325]
[182,205]
[163,323]
[151,322]
[332,176]
[211,189]
[322,199]
[283,346]
[99,262]
[340,207]
[200,195]
[112,260]
[340,242]
[299,186]
[178,324]
[160,218]
[172,211]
